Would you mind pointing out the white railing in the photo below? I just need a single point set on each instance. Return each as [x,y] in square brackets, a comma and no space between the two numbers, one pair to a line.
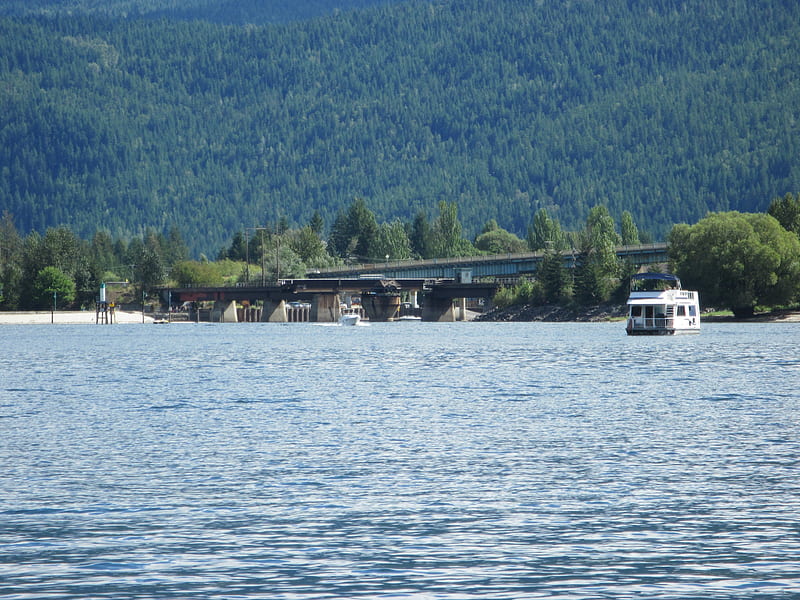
[651,323]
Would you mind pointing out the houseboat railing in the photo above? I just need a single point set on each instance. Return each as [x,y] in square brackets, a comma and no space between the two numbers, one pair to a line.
[652,323]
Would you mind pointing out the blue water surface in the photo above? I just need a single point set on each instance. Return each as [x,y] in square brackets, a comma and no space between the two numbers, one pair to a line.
[398,460]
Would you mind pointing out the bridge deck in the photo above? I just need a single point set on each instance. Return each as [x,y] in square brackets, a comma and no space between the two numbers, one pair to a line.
[494,265]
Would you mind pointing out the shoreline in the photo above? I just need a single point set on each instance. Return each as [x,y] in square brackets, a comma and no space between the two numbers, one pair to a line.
[68,317]
[522,313]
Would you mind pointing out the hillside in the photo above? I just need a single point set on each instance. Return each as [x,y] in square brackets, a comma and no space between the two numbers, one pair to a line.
[258,12]
[667,109]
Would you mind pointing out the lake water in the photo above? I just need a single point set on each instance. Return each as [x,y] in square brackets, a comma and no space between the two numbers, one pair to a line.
[399,460]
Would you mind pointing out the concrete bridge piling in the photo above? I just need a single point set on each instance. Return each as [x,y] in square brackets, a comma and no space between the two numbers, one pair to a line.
[320,300]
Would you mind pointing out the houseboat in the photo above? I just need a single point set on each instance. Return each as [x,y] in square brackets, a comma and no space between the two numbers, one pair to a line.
[658,306]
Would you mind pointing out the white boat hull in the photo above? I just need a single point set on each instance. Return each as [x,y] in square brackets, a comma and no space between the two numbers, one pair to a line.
[349,319]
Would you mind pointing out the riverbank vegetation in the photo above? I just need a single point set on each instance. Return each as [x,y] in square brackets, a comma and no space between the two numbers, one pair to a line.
[739,261]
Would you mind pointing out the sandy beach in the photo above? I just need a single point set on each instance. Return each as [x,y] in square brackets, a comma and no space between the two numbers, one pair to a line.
[68,317]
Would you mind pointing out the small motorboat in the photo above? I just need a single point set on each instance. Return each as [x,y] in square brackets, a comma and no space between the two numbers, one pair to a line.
[350,316]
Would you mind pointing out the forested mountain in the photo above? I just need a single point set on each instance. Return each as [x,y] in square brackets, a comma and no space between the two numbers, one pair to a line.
[239,12]
[665,108]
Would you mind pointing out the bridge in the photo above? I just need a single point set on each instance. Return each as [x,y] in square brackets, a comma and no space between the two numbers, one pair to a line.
[380,299]
[498,266]
[381,287]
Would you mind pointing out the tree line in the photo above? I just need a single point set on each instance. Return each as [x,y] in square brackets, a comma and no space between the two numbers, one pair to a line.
[740,261]
[666,109]
[35,266]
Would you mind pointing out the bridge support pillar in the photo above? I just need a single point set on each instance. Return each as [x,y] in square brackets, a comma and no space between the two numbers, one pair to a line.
[438,309]
[381,307]
[462,309]
[224,312]
[325,308]
[274,312]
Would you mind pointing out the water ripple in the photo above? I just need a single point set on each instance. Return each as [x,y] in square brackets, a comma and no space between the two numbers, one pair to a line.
[450,461]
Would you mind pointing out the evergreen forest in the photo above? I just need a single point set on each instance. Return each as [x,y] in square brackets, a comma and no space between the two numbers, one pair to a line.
[239,12]
[133,121]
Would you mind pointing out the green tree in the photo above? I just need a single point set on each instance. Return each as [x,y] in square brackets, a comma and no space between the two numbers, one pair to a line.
[545,232]
[191,272]
[787,211]
[173,247]
[354,232]
[554,277]
[53,288]
[629,231]
[420,235]
[150,270]
[238,249]
[446,238]
[597,265]
[392,241]
[103,255]
[496,240]
[317,224]
[308,246]
[11,245]
[283,262]
[60,248]
[737,260]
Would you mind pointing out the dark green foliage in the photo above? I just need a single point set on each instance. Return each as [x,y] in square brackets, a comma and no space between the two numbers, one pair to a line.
[597,267]
[787,211]
[316,224]
[545,233]
[391,242]
[420,235]
[628,230]
[496,240]
[11,245]
[737,261]
[446,239]
[309,248]
[218,11]
[238,248]
[144,261]
[190,272]
[556,281]
[353,233]
[525,292]
[668,110]
[52,289]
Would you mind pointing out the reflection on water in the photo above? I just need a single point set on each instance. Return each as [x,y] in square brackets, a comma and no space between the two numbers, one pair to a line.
[433,461]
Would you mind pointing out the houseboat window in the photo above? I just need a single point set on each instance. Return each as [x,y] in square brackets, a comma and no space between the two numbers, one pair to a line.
[692,310]
[681,311]
[636,311]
